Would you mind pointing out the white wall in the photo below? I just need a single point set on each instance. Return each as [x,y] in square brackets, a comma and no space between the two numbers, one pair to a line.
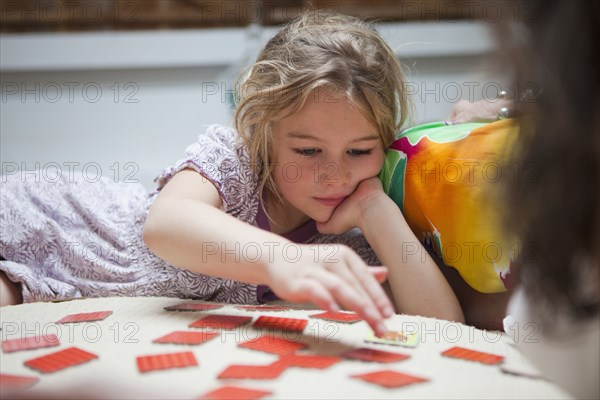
[125,104]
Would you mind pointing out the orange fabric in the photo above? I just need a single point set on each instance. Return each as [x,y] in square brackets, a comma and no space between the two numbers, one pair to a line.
[451,175]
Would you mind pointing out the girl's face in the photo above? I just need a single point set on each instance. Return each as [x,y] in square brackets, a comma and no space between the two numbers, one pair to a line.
[321,154]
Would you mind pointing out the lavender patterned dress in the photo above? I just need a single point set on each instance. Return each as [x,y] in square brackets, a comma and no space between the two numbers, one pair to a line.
[70,238]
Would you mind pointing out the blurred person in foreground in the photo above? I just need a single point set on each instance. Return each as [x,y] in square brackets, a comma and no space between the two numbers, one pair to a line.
[553,202]
[554,209]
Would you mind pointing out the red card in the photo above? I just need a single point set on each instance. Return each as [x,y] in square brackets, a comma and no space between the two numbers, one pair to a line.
[16,382]
[273,345]
[263,308]
[381,356]
[84,317]
[346,317]
[309,361]
[30,343]
[390,379]
[166,361]
[183,337]
[472,355]
[221,321]
[285,324]
[194,307]
[270,371]
[233,392]
[60,360]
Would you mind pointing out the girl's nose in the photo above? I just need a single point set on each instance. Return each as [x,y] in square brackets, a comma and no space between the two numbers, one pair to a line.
[334,173]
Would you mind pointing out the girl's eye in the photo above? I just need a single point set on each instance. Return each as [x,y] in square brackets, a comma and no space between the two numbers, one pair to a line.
[306,152]
[357,152]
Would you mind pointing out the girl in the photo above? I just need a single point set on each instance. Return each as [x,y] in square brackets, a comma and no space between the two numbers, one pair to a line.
[315,115]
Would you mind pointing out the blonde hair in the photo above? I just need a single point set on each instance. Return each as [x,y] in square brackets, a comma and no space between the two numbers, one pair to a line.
[318,49]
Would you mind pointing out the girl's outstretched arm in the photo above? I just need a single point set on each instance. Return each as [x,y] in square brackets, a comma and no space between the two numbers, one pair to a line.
[187,228]
[417,284]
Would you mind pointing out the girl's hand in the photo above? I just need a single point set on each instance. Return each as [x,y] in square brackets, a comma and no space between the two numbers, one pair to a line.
[331,276]
[348,214]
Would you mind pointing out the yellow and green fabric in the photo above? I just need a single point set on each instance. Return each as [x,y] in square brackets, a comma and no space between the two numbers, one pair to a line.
[445,179]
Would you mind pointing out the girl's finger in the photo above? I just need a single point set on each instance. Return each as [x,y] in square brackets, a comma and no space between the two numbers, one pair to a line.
[370,285]
[342,269]
[379,273]
[351,299]
[311,290]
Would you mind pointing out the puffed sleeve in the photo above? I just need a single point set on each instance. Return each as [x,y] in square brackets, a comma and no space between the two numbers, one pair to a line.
[219,156]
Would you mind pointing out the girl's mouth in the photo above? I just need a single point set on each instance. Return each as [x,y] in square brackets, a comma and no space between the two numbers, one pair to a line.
[330,201]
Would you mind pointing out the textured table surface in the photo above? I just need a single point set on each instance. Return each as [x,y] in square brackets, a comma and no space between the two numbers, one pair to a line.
[135,322]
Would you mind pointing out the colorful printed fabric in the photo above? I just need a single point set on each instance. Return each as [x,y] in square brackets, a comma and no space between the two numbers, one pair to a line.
[444,179]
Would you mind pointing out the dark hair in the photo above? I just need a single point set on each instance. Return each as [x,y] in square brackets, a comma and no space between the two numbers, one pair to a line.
[553,201]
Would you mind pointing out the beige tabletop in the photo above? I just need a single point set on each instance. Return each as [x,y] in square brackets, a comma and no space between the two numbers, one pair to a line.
[135,322]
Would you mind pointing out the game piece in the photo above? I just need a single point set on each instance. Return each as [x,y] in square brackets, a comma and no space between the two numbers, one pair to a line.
[309,360]
[346,317]
[380,356]
[166,361]
[395,338]
[273,345]
[235,371]
[389,378]
[473,355]
[60,360]
[284,324]
[194,307]
[16,382]
[184,337]
[220,321]
[234,392]
[30,343]
[84,317]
